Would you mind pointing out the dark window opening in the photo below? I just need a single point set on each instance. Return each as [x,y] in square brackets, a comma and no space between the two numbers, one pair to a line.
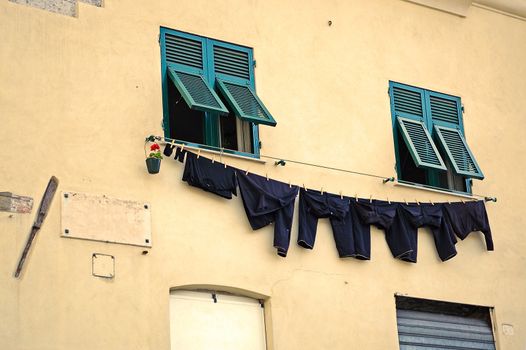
[408,170]
[185,124]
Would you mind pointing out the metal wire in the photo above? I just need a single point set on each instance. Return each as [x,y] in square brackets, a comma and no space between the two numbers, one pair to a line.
[385,179]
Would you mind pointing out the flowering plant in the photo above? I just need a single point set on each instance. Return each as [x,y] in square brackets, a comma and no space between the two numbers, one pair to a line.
[155,151]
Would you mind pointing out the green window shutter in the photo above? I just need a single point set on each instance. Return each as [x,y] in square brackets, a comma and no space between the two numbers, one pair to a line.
[420,145]
[458,152]
[234,73]
[231,62]
[183,50]
[196,92]
[245,103]
[445,109]
[407,101]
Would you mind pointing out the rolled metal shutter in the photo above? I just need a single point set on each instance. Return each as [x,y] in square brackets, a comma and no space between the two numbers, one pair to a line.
[419,330]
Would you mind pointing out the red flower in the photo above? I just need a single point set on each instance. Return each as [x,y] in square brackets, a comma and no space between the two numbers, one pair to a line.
[154,147]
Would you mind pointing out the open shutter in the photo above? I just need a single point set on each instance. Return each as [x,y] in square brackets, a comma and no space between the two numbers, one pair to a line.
[196,92]
[458,152]
[234,73]
[435,331]
[245,103]
[420,144]
[185,60]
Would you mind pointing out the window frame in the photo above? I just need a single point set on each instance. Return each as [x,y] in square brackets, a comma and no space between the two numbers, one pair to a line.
[432,176]
[211,130]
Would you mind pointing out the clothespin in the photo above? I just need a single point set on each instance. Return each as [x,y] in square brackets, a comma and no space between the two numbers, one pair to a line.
[221,157]
[198,153]
[405,200]
[463,201]
[266,175]
[172,143]
[356,197]
[290,184]
[417,202]
[321,191]
[341,195]
[430,201]
[304,187]
[213,159]
[388,201]
[370,198]
[182,147]
[246,172]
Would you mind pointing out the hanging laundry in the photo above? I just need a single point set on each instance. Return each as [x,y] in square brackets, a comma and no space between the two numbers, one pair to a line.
[269,201]
[412,216]
[168,149]
[383,215]
[314,205]
[210,176]
[468,217]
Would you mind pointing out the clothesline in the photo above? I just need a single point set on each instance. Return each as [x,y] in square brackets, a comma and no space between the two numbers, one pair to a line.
[282,161]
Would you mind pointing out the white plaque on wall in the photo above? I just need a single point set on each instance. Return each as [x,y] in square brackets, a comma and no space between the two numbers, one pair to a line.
[105,219]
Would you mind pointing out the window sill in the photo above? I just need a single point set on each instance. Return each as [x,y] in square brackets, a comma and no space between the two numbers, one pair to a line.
[225,153]
[433,189]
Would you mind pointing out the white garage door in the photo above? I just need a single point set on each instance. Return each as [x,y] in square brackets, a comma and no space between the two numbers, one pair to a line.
[197,321]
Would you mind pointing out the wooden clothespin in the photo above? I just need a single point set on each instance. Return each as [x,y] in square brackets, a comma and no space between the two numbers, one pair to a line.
[370,198]
[417,202]
[246,172]
[182,147]
[405,200]
[463,201]
[304,187]
[430,201]
[356,197]
[388,201]
[213,159]
[321,191]
[290,184]
[198,153]
[266,175]
[172,143]
[341,195]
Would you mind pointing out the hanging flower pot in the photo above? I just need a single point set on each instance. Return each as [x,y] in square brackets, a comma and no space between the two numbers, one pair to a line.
[153,162]
[153,165]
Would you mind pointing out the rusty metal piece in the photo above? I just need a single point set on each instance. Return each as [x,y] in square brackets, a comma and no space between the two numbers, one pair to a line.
[39,220]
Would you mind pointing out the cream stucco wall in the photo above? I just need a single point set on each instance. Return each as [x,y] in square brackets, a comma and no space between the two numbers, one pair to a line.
[78,96]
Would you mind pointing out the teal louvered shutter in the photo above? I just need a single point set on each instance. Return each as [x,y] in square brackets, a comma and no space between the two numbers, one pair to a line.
[196,92]
[407,101]
[445,110]
[185,59]
[234,74]
[245,103]
[458,152]
[436,331]
[420,145]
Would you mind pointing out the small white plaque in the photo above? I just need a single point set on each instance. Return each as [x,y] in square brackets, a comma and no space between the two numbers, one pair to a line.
[105,219]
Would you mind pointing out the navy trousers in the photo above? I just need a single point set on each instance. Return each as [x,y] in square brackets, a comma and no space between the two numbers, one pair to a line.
[269,201]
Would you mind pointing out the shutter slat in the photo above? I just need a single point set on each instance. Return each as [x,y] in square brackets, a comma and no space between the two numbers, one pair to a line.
[231,62]
[407,101]
[183,51]
[420,144]
[444,109]
[196,92]
[458,152]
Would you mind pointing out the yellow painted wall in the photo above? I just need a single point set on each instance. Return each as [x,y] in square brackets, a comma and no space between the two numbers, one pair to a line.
[78,96]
